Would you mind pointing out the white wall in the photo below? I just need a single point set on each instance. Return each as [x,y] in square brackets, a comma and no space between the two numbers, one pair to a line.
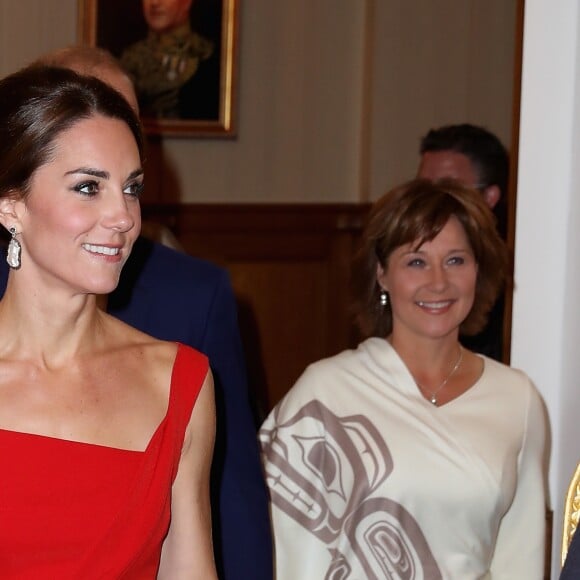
[30,27]
[546,315]
[437,63]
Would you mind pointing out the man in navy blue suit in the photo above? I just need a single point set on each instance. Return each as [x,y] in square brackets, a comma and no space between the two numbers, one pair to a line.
[173,296]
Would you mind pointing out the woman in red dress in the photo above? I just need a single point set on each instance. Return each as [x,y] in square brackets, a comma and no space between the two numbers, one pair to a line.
[106,434]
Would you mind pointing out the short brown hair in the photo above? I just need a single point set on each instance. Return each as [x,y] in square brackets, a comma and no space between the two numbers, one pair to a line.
[415,213]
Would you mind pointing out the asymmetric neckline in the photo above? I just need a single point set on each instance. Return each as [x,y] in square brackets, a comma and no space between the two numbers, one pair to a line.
[51,441]
[72,509]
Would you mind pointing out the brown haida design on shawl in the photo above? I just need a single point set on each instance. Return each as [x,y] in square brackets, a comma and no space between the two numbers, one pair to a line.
[323,471]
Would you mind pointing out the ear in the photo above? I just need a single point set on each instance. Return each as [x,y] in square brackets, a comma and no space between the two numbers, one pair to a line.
[9,213]
[381,275]
[491,195]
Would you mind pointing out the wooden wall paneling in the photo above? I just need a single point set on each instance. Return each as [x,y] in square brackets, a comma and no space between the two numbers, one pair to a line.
[290,267]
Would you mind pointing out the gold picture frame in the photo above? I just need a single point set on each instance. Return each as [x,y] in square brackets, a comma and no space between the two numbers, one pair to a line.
[119,25]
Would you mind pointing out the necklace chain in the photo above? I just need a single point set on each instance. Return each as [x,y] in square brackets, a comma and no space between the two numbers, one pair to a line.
[433,395]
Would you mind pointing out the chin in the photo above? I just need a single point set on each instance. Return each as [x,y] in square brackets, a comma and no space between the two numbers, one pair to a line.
[441,331]
[102,286]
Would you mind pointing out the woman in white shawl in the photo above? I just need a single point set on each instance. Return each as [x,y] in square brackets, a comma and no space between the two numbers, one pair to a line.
[412,457]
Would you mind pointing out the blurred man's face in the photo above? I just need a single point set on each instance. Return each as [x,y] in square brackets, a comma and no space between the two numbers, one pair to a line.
[439,164]
[450,164]
[164,15]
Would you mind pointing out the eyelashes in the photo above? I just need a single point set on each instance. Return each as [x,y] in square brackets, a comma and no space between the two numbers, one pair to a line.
[451,261]
[135,189]
[88,188]
[91,188]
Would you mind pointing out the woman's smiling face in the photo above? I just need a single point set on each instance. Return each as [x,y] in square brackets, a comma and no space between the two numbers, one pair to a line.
[431,287]
[81,215]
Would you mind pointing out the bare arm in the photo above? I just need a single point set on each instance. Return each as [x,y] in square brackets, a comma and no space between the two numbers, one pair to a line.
[187,552]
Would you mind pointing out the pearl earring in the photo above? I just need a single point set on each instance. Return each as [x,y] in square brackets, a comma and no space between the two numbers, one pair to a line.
[14,248]
[384,298]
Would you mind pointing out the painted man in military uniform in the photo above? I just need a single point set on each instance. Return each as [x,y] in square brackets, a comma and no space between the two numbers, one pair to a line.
[175,70]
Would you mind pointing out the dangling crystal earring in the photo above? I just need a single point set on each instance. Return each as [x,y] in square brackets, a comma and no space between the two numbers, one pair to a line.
[13,256]
[384,298]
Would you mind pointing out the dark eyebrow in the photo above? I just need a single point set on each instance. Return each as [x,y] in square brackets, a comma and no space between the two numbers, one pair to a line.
[89,171]
[102,174]
[136,173]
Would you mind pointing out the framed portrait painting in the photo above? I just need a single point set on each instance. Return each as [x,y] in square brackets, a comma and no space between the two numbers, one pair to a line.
[180,54]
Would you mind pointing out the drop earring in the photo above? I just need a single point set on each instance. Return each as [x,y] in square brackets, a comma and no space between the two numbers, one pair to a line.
[14,248]
[384,298]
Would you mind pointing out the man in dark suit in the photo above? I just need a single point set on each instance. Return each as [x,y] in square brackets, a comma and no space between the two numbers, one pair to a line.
[173,296]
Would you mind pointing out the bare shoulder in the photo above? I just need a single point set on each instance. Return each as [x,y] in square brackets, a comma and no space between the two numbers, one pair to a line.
[132,371]
[121,335]
[139,354]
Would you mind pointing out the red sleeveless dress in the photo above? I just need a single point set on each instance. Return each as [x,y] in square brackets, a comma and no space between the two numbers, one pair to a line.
[80,511]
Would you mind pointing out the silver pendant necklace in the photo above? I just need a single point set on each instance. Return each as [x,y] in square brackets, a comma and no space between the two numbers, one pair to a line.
[433,395]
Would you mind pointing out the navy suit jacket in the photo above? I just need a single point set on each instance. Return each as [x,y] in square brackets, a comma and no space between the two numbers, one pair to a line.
[571,569]
[175,297]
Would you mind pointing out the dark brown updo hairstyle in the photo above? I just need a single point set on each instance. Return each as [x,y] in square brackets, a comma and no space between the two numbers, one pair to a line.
[40,102]
[414,213]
